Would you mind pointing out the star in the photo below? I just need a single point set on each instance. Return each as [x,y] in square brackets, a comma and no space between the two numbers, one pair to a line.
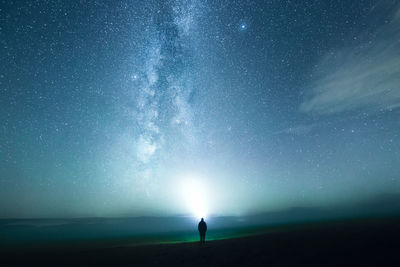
[243,26]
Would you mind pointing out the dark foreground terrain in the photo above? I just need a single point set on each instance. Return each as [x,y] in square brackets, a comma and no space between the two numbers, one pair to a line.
[350,243]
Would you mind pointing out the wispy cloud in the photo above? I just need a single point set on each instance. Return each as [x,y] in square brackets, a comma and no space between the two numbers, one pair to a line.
[364,76]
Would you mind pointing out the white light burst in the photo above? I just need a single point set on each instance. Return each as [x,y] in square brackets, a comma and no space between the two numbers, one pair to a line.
[194,194]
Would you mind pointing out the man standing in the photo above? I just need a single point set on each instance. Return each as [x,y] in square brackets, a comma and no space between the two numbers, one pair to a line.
[202,230]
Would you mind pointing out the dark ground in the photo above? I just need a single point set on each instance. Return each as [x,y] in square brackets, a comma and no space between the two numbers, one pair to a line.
[350,243]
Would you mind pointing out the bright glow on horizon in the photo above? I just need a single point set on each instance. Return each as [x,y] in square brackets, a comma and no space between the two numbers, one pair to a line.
[193,193]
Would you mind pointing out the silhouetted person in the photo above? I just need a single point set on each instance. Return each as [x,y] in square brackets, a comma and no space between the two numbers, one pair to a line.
[202,230]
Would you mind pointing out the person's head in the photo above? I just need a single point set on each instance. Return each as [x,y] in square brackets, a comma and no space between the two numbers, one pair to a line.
[202,219]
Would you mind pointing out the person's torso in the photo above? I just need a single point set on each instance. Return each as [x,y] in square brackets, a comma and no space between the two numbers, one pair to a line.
[202,226]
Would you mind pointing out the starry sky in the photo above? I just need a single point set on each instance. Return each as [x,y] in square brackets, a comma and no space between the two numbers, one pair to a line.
[136,108]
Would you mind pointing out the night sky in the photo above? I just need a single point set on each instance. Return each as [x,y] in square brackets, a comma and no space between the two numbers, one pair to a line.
[134,108]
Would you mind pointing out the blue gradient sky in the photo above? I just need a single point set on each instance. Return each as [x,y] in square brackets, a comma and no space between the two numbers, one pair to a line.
[131,108]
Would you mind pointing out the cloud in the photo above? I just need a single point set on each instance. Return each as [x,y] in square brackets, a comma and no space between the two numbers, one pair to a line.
[364,76]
